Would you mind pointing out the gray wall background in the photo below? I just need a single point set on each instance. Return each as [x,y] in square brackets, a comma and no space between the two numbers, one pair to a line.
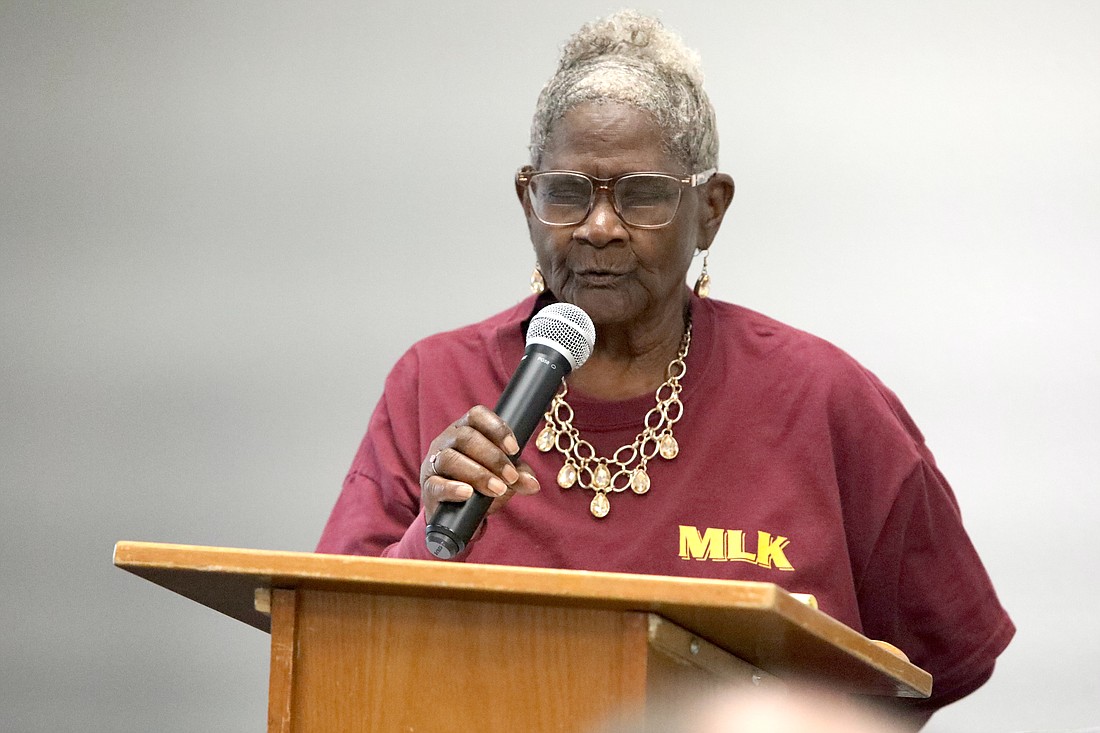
[222,223]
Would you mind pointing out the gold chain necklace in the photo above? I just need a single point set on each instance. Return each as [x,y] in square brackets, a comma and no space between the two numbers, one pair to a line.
[627,466]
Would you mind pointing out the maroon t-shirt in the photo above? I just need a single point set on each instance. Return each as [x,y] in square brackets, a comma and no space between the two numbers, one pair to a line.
[796,467]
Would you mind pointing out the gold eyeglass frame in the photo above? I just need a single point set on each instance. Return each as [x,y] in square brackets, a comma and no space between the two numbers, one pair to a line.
[524,176]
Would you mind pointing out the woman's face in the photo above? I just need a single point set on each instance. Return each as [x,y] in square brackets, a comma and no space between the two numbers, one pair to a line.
[617,273]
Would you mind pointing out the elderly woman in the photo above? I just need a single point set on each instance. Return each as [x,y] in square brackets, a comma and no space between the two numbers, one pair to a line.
[776,458]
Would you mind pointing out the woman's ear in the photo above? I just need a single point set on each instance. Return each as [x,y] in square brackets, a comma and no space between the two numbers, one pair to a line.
[717,195]
[521,187]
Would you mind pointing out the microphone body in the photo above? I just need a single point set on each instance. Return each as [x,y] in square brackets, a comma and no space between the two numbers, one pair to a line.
[559,339]
[521,405]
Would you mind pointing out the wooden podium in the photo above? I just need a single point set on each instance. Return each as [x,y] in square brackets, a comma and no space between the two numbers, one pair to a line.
[371,644]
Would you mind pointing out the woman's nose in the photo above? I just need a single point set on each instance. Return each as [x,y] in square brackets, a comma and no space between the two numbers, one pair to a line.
[603,225]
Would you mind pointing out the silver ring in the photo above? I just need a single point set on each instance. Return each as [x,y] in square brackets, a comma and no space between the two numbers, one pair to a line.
[431,462]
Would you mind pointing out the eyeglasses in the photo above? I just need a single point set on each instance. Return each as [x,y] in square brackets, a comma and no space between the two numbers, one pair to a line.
[642,200]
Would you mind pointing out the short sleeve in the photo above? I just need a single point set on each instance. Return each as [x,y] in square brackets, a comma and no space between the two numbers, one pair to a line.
[926,591]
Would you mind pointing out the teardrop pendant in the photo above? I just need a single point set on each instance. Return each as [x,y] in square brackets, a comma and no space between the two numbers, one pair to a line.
[546,439]
[600,506]
[601,478]
[567,476]
[639,481]
[669,447]
[702,285]
[538,283]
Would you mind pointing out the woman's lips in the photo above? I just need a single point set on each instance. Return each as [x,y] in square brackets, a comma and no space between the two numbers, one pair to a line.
[599,277]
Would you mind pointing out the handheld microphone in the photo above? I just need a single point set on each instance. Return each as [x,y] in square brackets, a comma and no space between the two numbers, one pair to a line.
[559,340]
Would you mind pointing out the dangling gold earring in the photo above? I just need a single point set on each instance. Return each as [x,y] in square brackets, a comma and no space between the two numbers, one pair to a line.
[538,284]
[702,285]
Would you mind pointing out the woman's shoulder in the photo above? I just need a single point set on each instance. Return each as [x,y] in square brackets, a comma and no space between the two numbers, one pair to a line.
[757,335]
[794,356]
[474,346]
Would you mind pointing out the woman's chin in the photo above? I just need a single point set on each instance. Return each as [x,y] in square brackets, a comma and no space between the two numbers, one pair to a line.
[603,305]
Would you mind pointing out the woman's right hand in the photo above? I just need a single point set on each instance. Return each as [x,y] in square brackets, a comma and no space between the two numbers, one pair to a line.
[472,455]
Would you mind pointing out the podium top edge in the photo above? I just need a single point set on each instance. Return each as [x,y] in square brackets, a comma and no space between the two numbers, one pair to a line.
[304,569]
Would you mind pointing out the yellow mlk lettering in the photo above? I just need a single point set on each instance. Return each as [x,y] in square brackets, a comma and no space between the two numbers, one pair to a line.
[705,546]
[769,551]
[735,547]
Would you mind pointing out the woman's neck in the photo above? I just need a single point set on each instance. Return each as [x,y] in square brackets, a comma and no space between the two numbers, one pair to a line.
[632,359]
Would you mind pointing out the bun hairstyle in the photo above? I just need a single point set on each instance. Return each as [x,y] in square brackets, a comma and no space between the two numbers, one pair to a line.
[632,59]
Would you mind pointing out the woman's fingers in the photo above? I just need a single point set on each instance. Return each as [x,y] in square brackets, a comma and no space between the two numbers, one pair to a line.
[472,454]
[466,461]
[488,423]
[526,484]
[435,489]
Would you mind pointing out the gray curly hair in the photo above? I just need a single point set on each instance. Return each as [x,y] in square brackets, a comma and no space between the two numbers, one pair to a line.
[630,58]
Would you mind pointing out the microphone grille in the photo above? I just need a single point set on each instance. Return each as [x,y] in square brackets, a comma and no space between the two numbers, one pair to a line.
[565,328]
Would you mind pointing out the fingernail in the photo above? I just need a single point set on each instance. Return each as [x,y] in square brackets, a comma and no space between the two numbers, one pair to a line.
[464,492]
[497,486]
[510,474]
[511,447]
